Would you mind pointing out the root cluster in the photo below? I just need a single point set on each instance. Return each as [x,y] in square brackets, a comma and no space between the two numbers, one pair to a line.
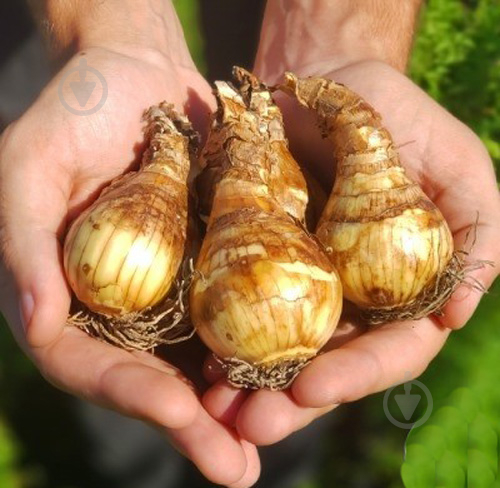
[274,376]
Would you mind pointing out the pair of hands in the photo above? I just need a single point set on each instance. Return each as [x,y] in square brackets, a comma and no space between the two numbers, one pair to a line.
[53,163]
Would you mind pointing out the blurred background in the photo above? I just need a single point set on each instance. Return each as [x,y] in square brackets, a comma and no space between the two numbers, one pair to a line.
[44,434]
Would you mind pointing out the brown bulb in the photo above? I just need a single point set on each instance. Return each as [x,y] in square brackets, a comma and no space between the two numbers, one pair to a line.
[266,297]
[388,241]
[123,253]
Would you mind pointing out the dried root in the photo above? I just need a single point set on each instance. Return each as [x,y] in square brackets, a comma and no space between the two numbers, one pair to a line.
[433,298]
[165,323]
[275,376]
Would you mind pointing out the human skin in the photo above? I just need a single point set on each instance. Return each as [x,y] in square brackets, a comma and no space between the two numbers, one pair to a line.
[60,162]
[54,163]
[368,51]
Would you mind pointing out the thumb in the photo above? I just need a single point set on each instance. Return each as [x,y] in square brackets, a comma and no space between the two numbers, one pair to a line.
[34,198]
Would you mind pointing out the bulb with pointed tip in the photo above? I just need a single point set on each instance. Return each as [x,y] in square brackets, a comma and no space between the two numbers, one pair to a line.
[266,297]
[123,253]
[388,241]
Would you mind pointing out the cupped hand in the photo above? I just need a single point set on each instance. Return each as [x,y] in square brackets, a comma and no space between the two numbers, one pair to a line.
[53,163]
[450,163]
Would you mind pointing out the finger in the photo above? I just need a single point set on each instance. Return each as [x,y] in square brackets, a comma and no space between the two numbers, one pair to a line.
[142,386]
[262,417]
[369,363]
[32,213]
[218,452]
[223,401]
[136,385]
[268,417]
[252,472]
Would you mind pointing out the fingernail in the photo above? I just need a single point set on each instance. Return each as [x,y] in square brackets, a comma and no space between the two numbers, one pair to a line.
[27,304]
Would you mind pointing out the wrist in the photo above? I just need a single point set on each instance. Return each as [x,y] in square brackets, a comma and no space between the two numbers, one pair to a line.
[310,37]
[125,26]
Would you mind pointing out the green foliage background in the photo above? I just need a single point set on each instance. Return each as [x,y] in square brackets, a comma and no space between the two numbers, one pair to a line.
[457,61]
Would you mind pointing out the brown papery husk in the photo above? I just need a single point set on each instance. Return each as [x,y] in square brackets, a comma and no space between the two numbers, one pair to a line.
[363,146]
[274,376]
[165,323]
[434,297]
[257,247]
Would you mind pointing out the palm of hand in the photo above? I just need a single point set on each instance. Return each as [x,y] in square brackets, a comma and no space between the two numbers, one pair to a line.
[455,171]
[116,129]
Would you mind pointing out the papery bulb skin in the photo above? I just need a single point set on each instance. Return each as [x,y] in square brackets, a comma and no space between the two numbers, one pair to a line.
[266,297]
[123,253]
[388,241]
